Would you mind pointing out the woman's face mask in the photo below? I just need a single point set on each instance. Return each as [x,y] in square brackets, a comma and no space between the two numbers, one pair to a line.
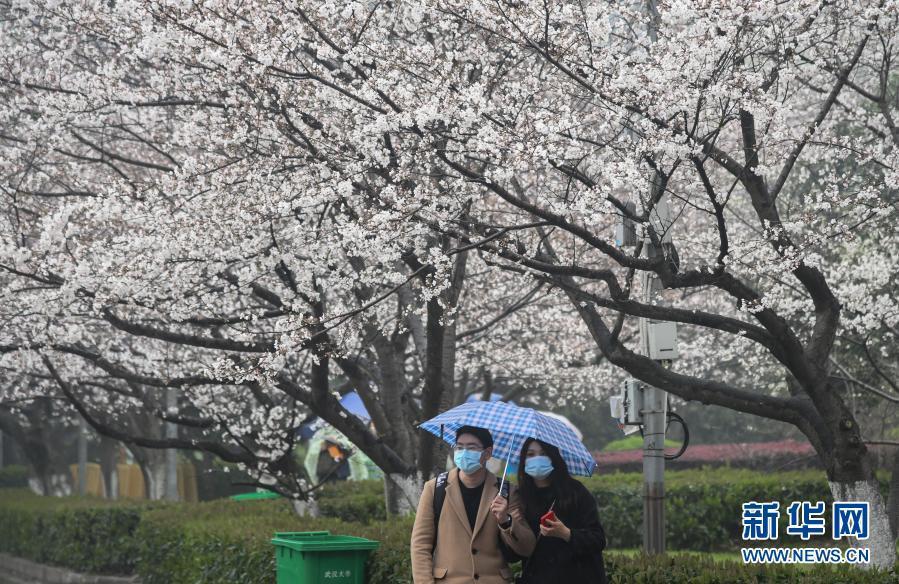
[468,461]
[538,467]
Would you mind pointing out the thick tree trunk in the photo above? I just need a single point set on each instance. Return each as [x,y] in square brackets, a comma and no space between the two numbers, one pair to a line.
[51,482]
[51,471]
[880,541]
[45,445]
[153,469]
[401,493]
[440,371]
[893,497]
[850,473]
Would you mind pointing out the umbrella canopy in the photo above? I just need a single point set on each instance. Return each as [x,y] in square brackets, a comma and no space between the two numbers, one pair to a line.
[351,402]
[567,422]
[510,426]
[477,397]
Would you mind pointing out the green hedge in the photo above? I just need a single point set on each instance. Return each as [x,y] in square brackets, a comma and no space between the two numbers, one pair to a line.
[228,541]
[91,535]
[13,476]
[220,541]
[360,501]
[703,509]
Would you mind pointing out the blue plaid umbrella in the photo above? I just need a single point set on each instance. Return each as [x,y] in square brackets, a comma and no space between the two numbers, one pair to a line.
[510,426]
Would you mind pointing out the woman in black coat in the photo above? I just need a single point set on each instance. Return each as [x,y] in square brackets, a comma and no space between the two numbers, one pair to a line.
[569,548]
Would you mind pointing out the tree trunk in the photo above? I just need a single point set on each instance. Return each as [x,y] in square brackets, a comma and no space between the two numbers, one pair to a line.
[51,471]
[880,541]
[46,446]
[305,508]
[153,468]
[401,493]
[893,497]
[851,476]
[50,482]
[108,451]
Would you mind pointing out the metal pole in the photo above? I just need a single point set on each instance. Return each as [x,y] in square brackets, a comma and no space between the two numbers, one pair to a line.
[654,399]
[654,471]
[82,457]
[1,449]
[171,454]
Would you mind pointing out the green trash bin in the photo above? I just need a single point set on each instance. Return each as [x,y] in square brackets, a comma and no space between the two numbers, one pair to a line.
[317,557]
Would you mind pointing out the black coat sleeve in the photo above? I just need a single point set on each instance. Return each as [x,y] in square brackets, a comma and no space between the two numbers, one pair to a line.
[588,537]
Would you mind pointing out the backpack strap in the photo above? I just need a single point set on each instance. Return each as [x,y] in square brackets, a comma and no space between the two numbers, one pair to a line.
[439,498]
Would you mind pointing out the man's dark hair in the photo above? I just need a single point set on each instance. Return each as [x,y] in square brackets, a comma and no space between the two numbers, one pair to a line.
[480,433]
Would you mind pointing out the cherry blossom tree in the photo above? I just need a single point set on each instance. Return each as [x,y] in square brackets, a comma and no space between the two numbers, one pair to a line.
[727,113]
[241,310]
[277,190]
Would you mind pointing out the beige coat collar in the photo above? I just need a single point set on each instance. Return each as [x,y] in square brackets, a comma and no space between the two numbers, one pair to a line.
[454,496]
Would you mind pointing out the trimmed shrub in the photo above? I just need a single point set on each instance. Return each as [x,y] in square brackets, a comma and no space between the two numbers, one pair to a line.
[13,477]
[703,507]
[703,510]
[215,542]
[360,501]
[86,534]
[228,541]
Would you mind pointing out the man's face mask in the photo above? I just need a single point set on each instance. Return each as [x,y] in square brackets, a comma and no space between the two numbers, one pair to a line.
[468,461]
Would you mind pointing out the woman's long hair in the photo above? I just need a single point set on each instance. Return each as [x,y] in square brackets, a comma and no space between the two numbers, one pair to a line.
[560,479]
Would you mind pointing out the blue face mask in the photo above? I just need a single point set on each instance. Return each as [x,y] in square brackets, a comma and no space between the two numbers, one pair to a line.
[468,461]
[538,467]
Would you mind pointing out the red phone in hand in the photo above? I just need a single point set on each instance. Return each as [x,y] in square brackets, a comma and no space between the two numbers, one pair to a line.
[549,516]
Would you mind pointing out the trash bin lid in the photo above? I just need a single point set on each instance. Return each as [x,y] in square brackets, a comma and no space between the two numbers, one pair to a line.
[299,534]
[322,541]
[255,496]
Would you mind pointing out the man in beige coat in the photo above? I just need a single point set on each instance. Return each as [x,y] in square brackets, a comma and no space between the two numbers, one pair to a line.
[472,521]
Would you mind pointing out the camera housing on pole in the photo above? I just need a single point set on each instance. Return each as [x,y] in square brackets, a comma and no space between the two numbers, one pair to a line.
[662,340]
[627,407]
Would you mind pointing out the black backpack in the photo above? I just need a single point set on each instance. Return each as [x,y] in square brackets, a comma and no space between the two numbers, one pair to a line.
[440,497]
